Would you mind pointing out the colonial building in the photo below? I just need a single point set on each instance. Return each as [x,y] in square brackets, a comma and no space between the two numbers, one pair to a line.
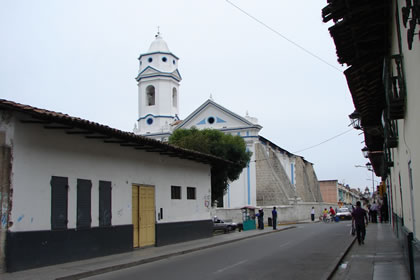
[273,177]
[379,42]
[73,189]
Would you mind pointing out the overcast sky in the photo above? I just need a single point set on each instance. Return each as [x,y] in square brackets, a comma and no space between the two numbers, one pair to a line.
[79,57]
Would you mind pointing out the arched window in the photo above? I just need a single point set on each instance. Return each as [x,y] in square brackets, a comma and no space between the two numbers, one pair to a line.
[174,97]
[150,95]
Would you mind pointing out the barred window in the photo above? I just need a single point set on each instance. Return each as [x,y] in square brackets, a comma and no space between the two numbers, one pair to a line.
[175,192]
[191,193]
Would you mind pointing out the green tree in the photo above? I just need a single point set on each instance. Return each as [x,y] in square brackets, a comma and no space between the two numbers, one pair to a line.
[214,142]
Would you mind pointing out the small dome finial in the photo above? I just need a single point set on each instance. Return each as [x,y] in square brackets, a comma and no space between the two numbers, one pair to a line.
[211,97]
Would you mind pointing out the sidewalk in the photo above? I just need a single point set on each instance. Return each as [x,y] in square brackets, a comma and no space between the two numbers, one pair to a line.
[95,266]
[381,257]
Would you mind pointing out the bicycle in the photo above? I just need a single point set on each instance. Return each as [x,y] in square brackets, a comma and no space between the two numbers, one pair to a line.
[328,218]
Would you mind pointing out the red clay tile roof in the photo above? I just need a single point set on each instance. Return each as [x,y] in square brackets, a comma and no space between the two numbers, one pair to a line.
[93,130]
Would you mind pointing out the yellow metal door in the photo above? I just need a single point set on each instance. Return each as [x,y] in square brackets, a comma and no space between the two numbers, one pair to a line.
[135,216]
[147,215]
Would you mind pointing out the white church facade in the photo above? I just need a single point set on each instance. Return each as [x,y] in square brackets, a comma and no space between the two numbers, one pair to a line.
[273,176]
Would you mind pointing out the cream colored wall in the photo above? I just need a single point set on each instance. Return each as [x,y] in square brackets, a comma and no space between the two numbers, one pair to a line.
[408,150]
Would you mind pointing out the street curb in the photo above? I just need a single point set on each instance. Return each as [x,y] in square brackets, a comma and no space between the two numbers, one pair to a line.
[339,260]
[99,271]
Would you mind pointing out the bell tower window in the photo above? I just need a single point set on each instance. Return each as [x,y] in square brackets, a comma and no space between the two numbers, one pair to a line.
[174,97]
[150,95]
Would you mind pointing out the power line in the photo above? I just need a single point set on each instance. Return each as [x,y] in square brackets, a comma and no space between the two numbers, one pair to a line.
[329,139]
[284,37]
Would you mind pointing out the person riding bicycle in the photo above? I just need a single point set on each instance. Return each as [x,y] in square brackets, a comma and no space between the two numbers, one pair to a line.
[324,214]
[332,213]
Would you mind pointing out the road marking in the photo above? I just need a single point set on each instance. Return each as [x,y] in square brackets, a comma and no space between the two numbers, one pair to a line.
[230,266]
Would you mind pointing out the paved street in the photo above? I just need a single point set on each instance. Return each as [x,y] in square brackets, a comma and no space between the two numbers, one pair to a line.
[306,252]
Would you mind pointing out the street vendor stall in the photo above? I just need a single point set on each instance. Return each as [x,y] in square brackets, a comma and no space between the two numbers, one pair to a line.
[248,217]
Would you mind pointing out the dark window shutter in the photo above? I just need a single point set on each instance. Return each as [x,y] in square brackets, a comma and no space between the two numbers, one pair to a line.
[83,203]
[105,213]
[59,200]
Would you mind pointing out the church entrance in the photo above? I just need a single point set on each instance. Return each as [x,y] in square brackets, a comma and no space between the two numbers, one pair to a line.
[143,215]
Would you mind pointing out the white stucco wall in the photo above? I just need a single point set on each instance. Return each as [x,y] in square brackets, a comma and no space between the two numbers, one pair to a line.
[163,104]
[408,150]
[167,66]
[242,191]
[410,138]
[298,212]
[40,153]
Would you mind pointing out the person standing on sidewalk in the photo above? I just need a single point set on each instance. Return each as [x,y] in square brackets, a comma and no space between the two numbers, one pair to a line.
[274,215]
[359,216]
[374,209]
[262,218]
[313,214]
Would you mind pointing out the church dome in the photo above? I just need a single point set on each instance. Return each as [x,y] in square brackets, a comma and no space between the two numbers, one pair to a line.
[158,45]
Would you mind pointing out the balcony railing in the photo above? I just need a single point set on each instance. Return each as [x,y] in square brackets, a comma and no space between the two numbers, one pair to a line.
[395,90]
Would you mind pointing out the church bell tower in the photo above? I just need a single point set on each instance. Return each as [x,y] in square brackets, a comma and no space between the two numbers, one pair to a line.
[158,91]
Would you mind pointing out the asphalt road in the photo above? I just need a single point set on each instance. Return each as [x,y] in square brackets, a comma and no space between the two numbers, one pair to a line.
[309,251]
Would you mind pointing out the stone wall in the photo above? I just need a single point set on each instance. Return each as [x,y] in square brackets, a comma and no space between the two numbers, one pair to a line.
[273,184]
[298,212]
[307,185]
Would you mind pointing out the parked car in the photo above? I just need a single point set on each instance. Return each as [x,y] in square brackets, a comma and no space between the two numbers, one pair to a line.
[349,206]
[343,213]
[220,225]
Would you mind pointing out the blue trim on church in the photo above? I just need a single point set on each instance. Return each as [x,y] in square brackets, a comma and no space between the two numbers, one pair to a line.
[158,75]
[161,74]
[156,116]
[228,195]
[248,173]
[152,53]
[240,128]
[203,121]
[201,108]
[292,171]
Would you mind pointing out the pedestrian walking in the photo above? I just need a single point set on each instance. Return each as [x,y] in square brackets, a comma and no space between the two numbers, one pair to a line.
[359,216]
[313,214]
[374,208]
[274,215]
